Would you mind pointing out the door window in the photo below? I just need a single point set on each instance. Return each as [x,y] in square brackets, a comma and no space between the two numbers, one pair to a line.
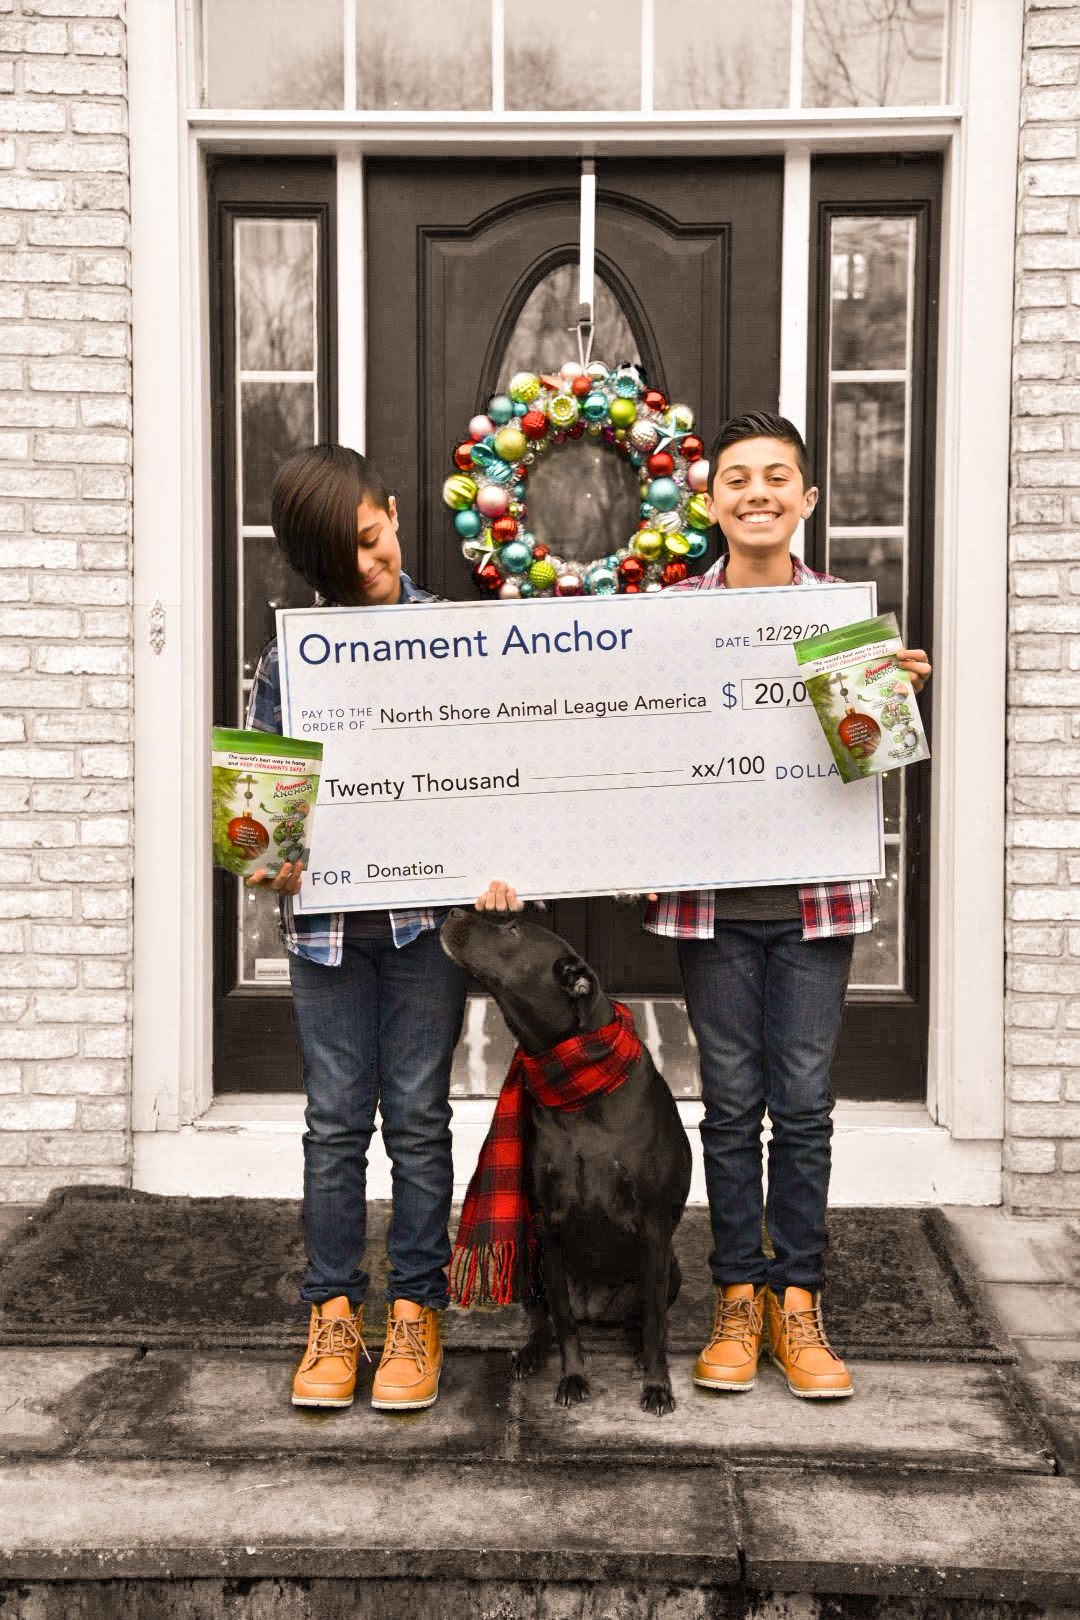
[271,253]
[582,501]
[871,315]
[876,225]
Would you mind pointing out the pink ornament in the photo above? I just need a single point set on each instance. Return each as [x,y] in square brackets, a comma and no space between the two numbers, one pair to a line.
[508,590]
[480,427]
[697,476]
[492,500]
[568,585]
[571,370]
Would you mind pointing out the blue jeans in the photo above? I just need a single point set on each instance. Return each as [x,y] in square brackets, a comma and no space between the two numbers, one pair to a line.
[765,1006]
[378,1030]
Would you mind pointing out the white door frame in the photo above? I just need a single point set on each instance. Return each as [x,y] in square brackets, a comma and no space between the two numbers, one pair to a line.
[172,1038]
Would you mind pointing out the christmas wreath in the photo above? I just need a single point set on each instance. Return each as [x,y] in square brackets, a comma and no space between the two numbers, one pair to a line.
[539,414]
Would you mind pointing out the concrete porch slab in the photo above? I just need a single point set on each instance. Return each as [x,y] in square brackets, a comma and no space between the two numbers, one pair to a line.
[48,1400]
[920,1415]
[994,1539]
[78,1520]
[178,1403]
[1037,1310]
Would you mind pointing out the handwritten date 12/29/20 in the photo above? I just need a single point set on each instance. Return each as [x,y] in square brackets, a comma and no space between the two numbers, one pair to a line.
[788,632]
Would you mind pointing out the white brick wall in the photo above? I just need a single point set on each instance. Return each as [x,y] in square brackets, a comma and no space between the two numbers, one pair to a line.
[1042,1162]
[65,590]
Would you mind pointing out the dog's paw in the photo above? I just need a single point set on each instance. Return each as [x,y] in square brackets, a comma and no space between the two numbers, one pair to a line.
[572,1390]
[528,1360]
[658,1399]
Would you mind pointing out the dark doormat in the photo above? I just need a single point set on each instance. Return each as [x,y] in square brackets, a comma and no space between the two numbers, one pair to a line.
[101,1265]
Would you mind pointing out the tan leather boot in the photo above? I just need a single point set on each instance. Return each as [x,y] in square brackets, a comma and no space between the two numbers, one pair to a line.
[729,1360]
[798,1345]
[327,1374]
[408,1374]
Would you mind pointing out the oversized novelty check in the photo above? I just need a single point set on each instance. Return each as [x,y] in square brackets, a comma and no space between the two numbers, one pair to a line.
[572,747]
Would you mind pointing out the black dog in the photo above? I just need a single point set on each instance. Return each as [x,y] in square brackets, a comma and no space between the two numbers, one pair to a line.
[610,1179]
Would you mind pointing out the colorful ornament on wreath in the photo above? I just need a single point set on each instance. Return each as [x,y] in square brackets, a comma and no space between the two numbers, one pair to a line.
[540,414]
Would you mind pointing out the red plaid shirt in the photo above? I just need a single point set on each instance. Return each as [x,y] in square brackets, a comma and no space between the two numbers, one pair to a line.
[827,908]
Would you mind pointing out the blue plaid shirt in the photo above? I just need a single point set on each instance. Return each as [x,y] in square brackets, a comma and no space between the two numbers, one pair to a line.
[319,938]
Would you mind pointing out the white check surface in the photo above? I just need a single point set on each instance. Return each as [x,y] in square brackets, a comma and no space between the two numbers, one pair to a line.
[571,747]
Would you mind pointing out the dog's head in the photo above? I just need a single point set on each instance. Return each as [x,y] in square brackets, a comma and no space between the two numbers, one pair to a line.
[545,990]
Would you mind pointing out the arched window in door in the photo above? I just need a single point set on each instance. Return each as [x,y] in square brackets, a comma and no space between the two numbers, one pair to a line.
[583,500]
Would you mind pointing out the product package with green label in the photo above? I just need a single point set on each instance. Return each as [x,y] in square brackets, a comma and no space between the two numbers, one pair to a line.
[265,788]
[863,698]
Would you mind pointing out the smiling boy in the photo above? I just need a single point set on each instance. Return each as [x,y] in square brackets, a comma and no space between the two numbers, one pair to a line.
[765,971]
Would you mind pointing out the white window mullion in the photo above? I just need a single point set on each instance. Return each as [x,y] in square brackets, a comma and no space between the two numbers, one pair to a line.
[351,355]
[798,23]
[795,297]
[648,26]
[498,46]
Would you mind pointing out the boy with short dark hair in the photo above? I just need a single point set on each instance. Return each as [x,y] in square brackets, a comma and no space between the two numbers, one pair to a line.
[765,972]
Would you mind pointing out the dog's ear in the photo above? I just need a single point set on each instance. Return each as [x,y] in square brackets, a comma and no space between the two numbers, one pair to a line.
[577,978]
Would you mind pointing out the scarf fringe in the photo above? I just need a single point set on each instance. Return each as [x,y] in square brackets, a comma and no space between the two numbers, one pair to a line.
[488,1275]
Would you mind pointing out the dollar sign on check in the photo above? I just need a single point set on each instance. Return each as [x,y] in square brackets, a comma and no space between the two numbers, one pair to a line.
[729,695]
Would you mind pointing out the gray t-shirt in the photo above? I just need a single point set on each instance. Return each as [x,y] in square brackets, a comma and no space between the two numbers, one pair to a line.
[776,902]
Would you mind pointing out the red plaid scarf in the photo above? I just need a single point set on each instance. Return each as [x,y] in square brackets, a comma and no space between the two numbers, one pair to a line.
[496,1256]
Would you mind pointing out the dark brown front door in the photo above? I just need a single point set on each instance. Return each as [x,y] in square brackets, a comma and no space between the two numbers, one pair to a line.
[688,269]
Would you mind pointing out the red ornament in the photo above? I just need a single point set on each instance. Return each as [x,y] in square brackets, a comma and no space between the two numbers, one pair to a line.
[504,528]
[660,464]
[581,386]
[631,570]
[692,448]
[631,590]
[521,474]
[577,430]
[487,576]
[534,424]
[554,383]
[655,401]
[859,733]
[673,573]
[248,835]
[540,552]
[463,455]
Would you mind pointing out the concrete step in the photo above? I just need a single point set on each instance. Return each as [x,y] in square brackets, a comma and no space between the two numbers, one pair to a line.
[116,1404]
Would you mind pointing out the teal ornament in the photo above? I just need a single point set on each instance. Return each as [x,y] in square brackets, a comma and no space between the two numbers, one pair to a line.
[525,586]
[520,407]
[636,459]
[628,384]
[499,472]
[645,510]
[500,408]
[468,523]
[515,557]
[595,408]
[663,493]
[601,581]
[483,454]
[697,547]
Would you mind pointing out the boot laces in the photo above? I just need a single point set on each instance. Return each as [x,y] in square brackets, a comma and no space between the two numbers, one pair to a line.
[738,1319]
[336,1336]
[406,1339]
[806,1331]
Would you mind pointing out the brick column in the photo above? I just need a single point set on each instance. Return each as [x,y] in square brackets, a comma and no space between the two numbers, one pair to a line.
[1042,1149]
[65,586]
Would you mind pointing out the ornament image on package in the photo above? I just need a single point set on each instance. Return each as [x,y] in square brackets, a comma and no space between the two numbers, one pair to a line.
[863,698]
[264,791]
